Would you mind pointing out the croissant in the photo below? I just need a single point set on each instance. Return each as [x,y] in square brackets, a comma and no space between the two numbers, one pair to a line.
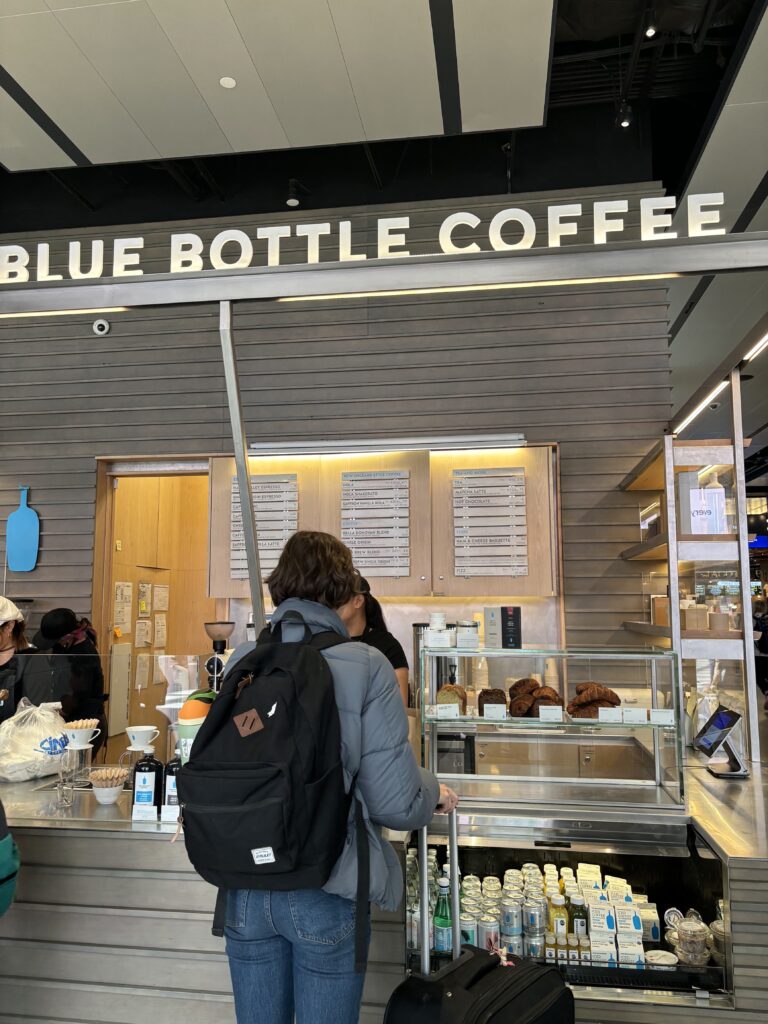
[548,693]
[520,705]
[524,686]
[543,703]
[595,691]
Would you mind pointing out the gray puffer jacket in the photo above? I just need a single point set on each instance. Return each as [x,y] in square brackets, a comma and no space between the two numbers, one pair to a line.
[394,791]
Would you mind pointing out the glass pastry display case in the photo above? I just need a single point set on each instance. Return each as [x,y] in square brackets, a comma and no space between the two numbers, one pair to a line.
[559,727]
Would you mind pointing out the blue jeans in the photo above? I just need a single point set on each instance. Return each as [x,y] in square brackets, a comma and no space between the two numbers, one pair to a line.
[293,953]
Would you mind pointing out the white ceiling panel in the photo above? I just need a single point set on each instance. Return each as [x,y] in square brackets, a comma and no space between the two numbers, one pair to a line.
[46,63]
[64,5]
[390,56]
[133,55]
[502,50]
[205,36]
[293,44]
[13,8]
[24,146]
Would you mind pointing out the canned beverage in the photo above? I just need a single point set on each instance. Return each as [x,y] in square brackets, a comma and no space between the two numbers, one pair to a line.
[488,932]
[472,907]
[511,918]
[534,916]
[471,880]
[468,923]
[491,885]
[514,944]
[533,946]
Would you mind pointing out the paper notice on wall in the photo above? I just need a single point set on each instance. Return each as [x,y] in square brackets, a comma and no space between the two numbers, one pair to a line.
[490,530]
[160,630]
[143,663]
[143,633]
[145,599]
[123,607]
[158,675]
[276,511]
[376,521]
[161,597]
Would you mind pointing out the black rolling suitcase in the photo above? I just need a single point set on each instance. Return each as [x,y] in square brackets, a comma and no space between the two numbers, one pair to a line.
[475,988]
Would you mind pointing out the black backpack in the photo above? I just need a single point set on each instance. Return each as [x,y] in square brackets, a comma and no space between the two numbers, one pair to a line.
[262,796]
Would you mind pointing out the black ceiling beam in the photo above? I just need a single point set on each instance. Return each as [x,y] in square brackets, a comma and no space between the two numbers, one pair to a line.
[20,96]
[703,27]
[72,191]
[205,173]
[182,179]
[373,168]
[444,38]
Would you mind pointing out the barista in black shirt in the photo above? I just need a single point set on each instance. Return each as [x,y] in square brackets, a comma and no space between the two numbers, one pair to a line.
[365,623]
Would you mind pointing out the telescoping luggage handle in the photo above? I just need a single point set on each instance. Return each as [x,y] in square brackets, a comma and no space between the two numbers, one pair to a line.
[453,852]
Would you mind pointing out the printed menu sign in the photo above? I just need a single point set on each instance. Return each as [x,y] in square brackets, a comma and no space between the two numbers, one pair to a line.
[376,521]
[276,510]
[490,532]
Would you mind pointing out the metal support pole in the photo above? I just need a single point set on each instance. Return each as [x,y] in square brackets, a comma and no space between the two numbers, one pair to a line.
[423,902]
[750,683]
[453,847]
[241,462]
[655,704]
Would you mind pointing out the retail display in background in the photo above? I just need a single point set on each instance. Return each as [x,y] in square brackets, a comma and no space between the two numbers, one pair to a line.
[503,627]
[276,510]
[489,522]
[375,520]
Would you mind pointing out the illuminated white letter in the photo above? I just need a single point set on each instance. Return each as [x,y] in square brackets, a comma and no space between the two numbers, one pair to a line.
[698,217]
[500,221]
[122,259]
[14,263]
[447,243]
[555,227]
[273,236]
[96,268]
[603,224]
[345,244]
[651,219]
[44,264]
[389,236]
[236,237]
[312,233]
[186,253]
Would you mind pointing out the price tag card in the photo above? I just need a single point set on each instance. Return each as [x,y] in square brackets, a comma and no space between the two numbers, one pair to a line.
[662,716]
[496,712]
[445,711]
[635,716]
[168,812]
[609,715]
[551,714]
[148,813]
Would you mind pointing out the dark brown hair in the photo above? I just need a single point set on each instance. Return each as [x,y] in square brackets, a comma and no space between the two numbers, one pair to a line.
[316,567]
[19,636]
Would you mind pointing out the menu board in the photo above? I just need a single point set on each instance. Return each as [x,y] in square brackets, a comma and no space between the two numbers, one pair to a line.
[376,520]
[276,511]
[489,522]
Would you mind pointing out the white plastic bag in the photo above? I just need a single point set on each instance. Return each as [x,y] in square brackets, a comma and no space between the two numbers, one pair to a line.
[32,743]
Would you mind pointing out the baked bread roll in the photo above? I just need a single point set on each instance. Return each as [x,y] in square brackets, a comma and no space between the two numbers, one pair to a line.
[490,697]
[453,694]
[591,710]
[547,693]
[595,691]
[520,704]
[524,686]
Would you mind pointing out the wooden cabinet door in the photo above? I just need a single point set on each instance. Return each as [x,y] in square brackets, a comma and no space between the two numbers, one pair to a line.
[458,514]
[379,505]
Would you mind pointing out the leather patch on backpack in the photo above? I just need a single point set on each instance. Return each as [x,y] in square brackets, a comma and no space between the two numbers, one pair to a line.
[248,723]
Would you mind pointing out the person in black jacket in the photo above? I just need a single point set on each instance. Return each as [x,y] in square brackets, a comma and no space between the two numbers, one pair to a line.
[12,641]
[67,666]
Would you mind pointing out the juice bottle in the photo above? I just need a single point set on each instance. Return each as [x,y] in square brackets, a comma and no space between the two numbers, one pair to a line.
[550,948]
[558,916]
[562,950]
[578,916]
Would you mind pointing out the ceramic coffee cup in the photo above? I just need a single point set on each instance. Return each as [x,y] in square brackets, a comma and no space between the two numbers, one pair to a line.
[142,735]
[81,737]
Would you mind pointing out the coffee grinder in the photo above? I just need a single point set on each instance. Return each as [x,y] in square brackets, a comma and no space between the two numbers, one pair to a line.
[219,633]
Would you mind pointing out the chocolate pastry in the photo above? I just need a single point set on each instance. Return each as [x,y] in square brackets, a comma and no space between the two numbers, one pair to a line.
[490,697]
[520,705]
[452,694]
[548,693]
[524,686]
[595,691]
[543,703]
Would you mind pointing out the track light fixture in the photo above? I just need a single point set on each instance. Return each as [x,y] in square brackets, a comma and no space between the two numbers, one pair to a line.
[624,116]
[295,192]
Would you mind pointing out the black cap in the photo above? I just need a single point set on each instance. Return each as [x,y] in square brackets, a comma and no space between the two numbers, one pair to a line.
[58,623]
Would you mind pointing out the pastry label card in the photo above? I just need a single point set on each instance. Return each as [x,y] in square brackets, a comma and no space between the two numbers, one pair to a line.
[490,531]
[609,715]
[554,714]
[497,712]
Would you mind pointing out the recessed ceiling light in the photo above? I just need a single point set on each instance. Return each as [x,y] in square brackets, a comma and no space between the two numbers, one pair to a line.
[227,83]
[650,32]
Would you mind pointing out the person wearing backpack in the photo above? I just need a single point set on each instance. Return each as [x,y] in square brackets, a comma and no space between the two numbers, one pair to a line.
[300,763]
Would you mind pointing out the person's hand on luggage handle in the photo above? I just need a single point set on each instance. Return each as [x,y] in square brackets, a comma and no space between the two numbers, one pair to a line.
[449,800]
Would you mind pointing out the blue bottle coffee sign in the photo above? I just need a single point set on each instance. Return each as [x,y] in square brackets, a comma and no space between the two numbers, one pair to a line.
[22,538]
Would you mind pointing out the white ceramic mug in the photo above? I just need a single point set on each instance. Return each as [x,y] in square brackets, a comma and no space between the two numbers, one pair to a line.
[81,737]
[142,735]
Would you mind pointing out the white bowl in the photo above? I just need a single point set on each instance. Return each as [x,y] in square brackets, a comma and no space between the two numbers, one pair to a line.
[107,794]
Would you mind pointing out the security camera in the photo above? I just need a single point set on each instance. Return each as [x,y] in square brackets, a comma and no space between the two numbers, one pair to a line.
[101,327]
[715,405]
